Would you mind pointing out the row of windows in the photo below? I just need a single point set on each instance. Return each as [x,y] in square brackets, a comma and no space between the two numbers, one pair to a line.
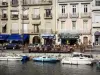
[85,22]
[97,2]
[36,27]
[63,8]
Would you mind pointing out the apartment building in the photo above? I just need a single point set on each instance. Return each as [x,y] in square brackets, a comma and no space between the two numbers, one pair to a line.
[74,21]
[36,18]
[96,22]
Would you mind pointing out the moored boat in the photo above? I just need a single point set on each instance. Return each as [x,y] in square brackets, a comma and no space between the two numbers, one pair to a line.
[46,59]
[10,57]
[77,58]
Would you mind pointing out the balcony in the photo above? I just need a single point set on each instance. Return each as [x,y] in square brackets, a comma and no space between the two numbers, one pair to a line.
[40,31]
[25,17]
[4,4]
[40,2]
[74,15]
[14,31]
[63,16]
[46,16]
[35,17]
[94,8]
[46,2]
[46,30]
[85,15]
[4,17]
[85,31]
[31,31]
[14,4]
[14,17]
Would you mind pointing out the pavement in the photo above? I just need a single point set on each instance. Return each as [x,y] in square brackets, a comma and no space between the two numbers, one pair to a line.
[94,50]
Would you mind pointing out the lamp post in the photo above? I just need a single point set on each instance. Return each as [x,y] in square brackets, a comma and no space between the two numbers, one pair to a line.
[22,35]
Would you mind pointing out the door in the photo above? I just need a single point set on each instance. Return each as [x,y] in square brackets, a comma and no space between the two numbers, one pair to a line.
[85,40]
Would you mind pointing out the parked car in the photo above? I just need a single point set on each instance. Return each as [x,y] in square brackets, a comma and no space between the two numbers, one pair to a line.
[12,46]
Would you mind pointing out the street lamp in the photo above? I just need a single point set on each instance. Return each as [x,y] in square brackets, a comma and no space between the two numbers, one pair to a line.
[22,35]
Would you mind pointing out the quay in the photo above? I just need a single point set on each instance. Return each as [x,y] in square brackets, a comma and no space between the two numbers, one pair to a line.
[96,55]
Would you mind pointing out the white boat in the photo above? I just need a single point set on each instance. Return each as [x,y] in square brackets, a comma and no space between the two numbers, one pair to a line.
[78,58]
[45,59]
[10,57]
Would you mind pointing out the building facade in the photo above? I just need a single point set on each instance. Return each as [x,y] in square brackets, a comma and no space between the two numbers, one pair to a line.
[96,22]
[52,21]
[74,21]
[33,17]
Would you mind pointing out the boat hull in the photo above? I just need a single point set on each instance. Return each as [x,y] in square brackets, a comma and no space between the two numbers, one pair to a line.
[49,60]
[76,61]
[10,58]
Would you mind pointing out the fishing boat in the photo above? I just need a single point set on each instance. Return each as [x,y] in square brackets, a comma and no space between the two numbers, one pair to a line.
[10,57]
[78,58]
[45,59]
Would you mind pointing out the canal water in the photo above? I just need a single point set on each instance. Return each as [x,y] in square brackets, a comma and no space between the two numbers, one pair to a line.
[34,68]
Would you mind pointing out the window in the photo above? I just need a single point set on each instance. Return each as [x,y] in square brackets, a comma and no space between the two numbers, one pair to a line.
[36,11]
[85,24]
[97,2]
[85,9]
[25,12]
[4,28]
[4,13]
[25,28]
[62,24]
[14,1]
[48,25]
[97,18]
[63,10]
[36,28]
[48,12]
[15,27]
[36,1]
[4,2]
[14,14]
[73,9]
[73,24]
[25,2]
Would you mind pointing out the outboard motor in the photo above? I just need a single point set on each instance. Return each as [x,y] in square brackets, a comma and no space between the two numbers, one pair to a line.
[25,59]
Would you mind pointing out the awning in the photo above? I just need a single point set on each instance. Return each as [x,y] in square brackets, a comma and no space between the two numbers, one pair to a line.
[97,33]
[69,36]
[14,37]
[47,35]
[25,36]
[3,36]
[17,37]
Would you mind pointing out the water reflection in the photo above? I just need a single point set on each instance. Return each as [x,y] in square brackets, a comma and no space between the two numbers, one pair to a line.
[34,68]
